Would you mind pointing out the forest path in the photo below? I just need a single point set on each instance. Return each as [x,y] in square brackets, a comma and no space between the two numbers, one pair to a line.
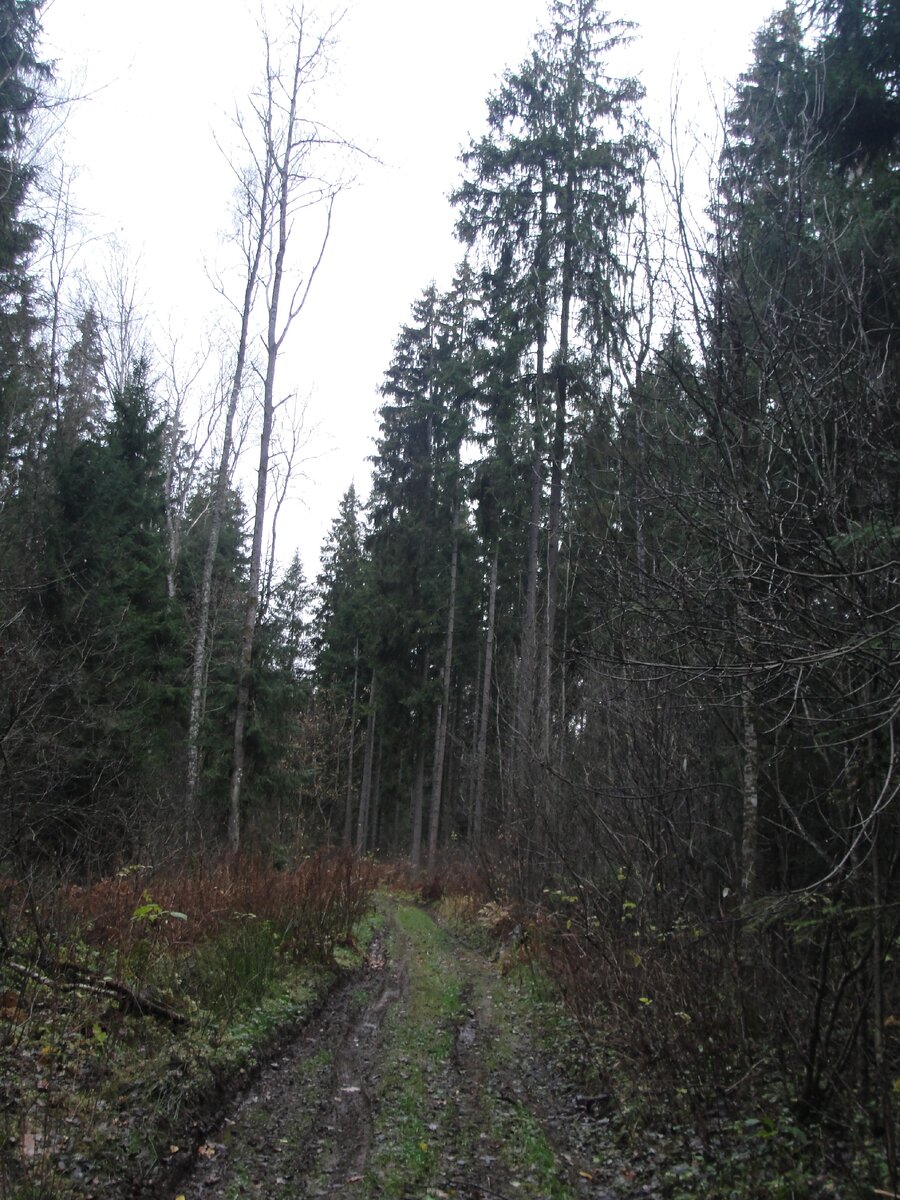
[417,1080]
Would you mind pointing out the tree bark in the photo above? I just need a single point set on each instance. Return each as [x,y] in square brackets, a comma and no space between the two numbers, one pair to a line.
[485,713]
[365,794]
[351,752]
[750,774]
[418,800]
[440,739]
[557,454]
[284,154]
[217,514]
[524,723]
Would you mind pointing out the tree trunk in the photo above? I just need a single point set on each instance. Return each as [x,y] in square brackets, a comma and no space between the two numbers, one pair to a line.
[282,156]
[418,799]
[557,456]
[351,753]
[882,1069]
[524,723]
[375,818]
[398,804]
[365,794]
[485,714]
[216,520]
[440,741]
[250,616]
[750,775]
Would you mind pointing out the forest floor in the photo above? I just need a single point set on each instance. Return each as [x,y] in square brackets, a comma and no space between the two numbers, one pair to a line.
[420,1077]
[433,1061]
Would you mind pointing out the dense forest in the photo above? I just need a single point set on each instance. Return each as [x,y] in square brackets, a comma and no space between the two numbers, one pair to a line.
[619,621]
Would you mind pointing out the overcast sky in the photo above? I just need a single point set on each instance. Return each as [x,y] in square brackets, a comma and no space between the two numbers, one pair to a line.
[409,82]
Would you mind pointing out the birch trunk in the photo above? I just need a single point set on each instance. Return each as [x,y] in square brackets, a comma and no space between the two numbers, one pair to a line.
[284,144]
[217,516]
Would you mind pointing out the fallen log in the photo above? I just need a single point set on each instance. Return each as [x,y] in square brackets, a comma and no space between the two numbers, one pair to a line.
[81,979]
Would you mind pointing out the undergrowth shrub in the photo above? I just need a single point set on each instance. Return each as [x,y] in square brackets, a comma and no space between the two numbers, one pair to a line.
[666,1000]
[455,876]
[753,1029]
[198,964]
[229,973]
[230,916]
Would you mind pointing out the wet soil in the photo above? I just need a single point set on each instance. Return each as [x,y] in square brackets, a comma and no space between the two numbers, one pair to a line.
[503,1120]
[306,1123]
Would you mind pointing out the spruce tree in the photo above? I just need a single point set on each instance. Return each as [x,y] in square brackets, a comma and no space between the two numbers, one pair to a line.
[546,196]
[21,76]
[118,635]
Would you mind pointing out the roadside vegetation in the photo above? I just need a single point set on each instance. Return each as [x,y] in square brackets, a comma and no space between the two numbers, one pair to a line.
[520,1046]
[133,1008]
[685,1089]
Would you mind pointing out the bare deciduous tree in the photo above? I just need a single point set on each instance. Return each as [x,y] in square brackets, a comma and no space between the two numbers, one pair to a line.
[290,142]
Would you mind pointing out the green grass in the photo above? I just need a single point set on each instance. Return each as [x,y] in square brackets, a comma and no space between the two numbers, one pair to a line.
[418,1040]
[418,1123]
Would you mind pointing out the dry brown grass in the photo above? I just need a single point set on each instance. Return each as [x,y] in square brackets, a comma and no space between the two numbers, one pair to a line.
[314,905]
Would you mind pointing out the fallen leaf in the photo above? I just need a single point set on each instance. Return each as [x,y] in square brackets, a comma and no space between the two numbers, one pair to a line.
[206,1151]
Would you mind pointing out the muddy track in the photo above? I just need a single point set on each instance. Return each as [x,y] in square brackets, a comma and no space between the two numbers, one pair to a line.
[305,1126]
[514,1095]
[473,1162]
[323,1119]
[345,1151]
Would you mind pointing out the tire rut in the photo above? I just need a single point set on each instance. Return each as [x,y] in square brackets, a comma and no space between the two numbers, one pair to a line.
[313,1123]
[473,1165]
[306,1123]
[346,1150]
[525,1086]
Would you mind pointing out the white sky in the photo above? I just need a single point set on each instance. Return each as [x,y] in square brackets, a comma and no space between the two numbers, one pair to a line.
[409,84]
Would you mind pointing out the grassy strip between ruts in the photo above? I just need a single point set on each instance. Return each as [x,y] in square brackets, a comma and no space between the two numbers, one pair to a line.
[412,1112]
[426,1132]
[510,1121]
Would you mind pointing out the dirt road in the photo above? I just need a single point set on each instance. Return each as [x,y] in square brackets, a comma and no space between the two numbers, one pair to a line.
[419,1079]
